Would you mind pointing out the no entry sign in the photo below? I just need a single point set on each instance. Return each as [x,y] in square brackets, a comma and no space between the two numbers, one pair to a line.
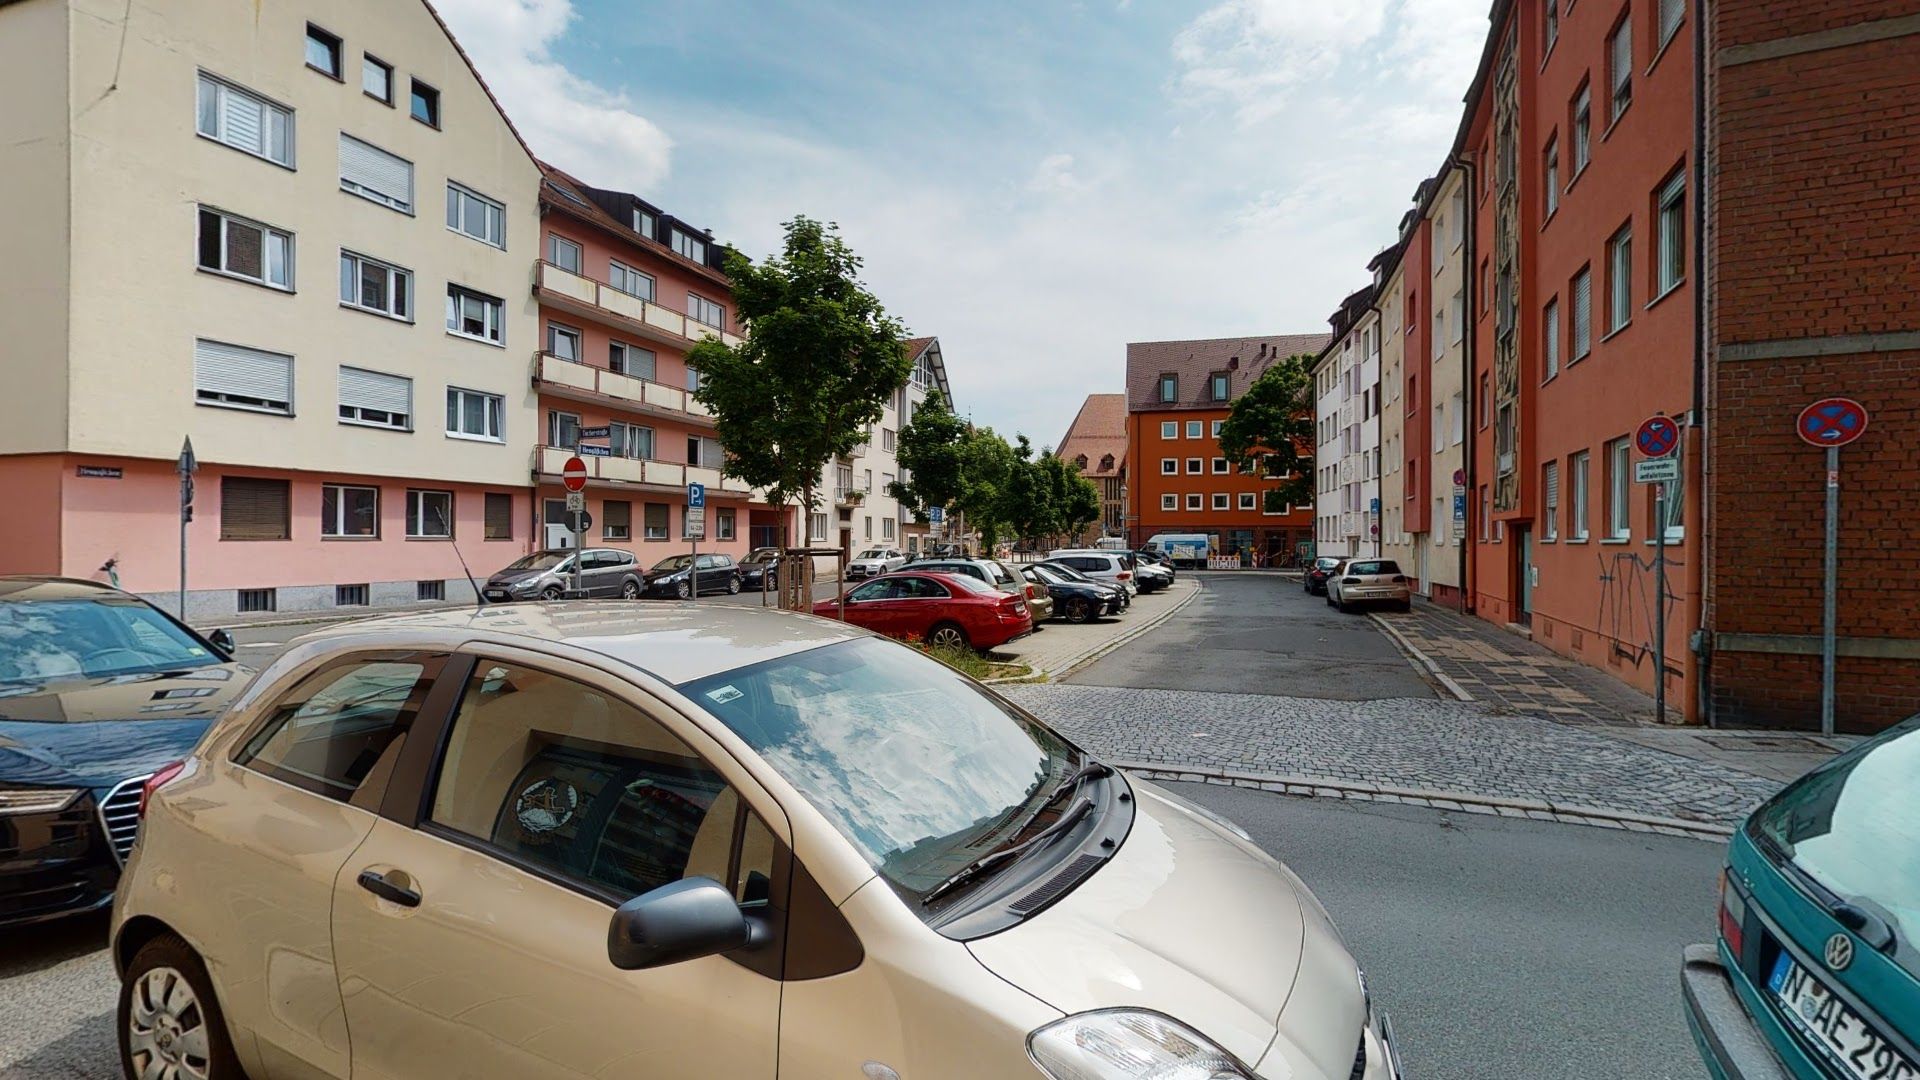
[574,474]
[1834,421]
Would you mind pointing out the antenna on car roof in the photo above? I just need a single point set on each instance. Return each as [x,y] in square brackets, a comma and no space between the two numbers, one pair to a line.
[479,597]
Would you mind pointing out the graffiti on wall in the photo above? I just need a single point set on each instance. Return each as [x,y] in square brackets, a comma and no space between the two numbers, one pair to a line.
[1627,603]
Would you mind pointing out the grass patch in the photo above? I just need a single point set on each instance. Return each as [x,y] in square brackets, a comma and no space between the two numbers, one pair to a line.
[970,663]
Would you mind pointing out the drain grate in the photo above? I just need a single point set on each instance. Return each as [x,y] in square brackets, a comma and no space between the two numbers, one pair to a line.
[1776,744]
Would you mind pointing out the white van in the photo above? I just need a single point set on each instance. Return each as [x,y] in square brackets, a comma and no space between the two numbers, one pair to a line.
[1183,549]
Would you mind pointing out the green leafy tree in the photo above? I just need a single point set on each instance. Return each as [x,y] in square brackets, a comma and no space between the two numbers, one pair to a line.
[987,464]
[1269,431]
[820,359]
[932,452]
[1076,500]
[1026,500]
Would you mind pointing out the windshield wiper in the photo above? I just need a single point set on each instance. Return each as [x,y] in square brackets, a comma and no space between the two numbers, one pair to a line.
[1005,856]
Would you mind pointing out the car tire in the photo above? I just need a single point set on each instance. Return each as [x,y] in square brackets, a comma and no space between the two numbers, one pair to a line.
[1406,607]
[168,1011]
[551,592]
[683,590]
[630,589]
[1079,610]
[1330,598]
[948,635]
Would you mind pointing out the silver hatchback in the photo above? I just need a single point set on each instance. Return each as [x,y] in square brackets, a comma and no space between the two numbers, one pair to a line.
[1369,581]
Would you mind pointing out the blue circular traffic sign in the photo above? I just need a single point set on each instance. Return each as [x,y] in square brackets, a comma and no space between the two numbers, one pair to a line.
[1834,421]
[1658,436]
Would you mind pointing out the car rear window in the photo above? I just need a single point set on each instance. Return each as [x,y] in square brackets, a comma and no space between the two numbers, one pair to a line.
[333,727]
[1374,566]
[974,584]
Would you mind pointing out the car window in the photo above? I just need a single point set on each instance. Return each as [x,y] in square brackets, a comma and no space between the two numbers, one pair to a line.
[709,562]
[334,727]
[919,588]
[570,781]
[975,585]
[872,590]
[1001,576]
[1373,566]
[45,640]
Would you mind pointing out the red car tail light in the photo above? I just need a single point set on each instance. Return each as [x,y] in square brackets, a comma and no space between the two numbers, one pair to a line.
[1733,916]
[1126,575]
[1399,579]
[166,775]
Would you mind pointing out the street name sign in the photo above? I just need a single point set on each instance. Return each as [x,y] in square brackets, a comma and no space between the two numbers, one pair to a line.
[595,451]
[595,432]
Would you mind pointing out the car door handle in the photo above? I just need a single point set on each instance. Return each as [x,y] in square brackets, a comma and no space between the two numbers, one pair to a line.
[377,884]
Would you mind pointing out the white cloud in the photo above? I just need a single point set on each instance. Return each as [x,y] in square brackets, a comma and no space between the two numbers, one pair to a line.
[1054,176]
[1252,53]
[569,121]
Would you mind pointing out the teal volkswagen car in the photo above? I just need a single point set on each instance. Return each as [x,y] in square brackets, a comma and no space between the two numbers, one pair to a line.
[1816,973]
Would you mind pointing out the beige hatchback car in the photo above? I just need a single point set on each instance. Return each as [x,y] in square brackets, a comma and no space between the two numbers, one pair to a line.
[585,840]
[1368,581]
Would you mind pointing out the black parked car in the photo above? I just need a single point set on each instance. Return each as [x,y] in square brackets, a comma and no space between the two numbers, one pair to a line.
[1076,597]
[673,576]
[760,570]
[99,690]
[1317,573]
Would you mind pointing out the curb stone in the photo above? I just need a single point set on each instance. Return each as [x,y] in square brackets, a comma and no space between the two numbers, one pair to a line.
[1420,658]
[1535,809]
[1075,663]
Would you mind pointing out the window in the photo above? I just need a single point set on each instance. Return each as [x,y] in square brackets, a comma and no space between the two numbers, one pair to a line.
[1219,466]
[257,600]
[1169,466]
[245,121]
[474,415]
[1553,175]
[1577,472]
[656,522]
[1169,387]
[816,526]
[563,342]
[1440,331]
[435,589]
[1193,429]
[1550,339]
[563,253]
[338,725]
[1439,428]
[1486,516]
[245,249]
[376,79]
[1215,428]
[580,785]
[1486,400]
[693,383]
[254,508]
[375,399]
[1676,519]
[563,429]
[429,514]
[616,520]
[1671,12]
[1169,502]
[351,595]
[1552,22]
[323,51]
[723,524]
[476,315]
[349,511]
[236,377]
[372,285]
[702,310]
[689,245]
[1582,128]
[1217,386]
[1620,68]
[1170,429]
[628,280]
[704,452]
[1671,218]
[1619,489]
[499,516]
[375,175]
[1247,499]
[868,533]
[1457,316]
[1550,486]
[426,104]
[1193,466]
[629,440]
[1458,407]
[1220,500]
[1193,502]
[643,223]
[1457,220]
[1620,278]
[631,360]
[475,215]
[889,440]
[1582,290]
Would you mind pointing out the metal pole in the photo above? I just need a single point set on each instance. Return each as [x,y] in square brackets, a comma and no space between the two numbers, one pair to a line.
[579,556]
[183,549]
[693,572]
[1829,614]
[1660,602]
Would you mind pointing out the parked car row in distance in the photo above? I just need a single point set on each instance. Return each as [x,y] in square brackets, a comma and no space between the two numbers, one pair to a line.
[611,572]
[1350,582]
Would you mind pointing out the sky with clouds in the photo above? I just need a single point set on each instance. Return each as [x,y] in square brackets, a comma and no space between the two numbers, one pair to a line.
[1036,182]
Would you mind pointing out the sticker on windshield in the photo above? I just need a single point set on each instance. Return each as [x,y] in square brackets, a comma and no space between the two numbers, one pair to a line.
[725,694]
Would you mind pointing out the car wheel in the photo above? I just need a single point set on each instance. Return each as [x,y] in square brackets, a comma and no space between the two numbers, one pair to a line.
[1079,610]
[170,1022]
[733,585]
[1329,595]
[630,589]
[1406,607]
[948,635]
[551,592]
[683,590]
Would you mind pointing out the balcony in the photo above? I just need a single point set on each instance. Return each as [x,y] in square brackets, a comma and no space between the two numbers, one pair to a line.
[603,303]
[849,496]
[585,382]
[661,476]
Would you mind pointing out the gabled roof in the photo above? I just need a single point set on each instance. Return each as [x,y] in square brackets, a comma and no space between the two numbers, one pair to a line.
[477,77]
[930,347]
[1244,359]
[562,191]
[1099,432]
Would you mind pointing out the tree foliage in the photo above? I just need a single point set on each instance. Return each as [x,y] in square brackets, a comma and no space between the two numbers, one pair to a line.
[1000,489]
[820,359]
[1269,431]
[932,451]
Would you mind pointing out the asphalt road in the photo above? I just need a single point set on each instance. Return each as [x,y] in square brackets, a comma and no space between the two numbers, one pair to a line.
[1503,949]
[1259,633]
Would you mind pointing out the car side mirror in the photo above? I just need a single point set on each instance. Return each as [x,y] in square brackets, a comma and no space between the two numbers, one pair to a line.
[223,641]
[685,920]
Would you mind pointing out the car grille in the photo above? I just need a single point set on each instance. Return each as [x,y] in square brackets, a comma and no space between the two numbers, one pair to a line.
[120,816]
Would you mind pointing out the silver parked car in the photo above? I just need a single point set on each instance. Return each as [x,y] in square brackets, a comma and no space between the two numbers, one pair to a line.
[546,575]
[874,561]
[1369,581]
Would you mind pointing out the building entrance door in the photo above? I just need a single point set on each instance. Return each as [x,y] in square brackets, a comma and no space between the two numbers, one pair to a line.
[1523,574]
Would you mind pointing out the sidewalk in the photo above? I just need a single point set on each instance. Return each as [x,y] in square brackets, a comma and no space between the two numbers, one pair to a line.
[1057,647]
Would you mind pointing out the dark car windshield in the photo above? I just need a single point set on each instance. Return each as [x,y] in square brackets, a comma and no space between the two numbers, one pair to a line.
[540,560]
[1067,572]
[1051,574]
[919,769]
[44,641]
[673,562]
[1852,827]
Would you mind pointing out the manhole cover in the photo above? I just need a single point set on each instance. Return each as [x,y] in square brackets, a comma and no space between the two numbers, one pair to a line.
[1779,744]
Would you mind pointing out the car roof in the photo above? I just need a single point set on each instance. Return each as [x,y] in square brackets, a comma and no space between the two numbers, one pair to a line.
[674,642]
[41,587]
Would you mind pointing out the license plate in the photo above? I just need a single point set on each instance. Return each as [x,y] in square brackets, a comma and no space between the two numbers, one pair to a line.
[1824,1019]
[496,594]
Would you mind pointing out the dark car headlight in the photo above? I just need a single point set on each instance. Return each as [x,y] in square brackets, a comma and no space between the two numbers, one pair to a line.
[35,800]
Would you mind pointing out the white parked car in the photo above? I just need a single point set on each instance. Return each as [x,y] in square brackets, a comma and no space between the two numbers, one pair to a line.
[569,840]
[875,561]
[1112,567]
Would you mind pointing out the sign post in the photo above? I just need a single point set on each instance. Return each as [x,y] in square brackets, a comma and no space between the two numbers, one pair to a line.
[187,466]
[696,528]
[1831,423]
[1658,437]
[573,476]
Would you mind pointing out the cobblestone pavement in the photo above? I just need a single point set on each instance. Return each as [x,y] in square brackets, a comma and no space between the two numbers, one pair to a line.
[1442,746]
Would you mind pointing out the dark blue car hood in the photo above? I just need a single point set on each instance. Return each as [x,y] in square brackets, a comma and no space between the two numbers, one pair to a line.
[98,732]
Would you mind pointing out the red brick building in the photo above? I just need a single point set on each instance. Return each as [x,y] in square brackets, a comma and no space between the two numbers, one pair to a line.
[1178,393]
[1096,443]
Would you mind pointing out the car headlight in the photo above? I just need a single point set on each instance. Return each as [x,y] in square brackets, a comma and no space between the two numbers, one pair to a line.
[32,800]
[1129,1044]
[523,585]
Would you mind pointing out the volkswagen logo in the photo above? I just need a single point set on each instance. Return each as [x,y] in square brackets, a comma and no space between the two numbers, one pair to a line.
[1839,952]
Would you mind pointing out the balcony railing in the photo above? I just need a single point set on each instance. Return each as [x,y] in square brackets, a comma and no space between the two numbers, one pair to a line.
[574,379]
[550,460]
[602,301]
[849,496]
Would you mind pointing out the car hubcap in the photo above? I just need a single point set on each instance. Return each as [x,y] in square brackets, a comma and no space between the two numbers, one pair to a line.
[946,636]
[684,590]
[629,590]
[166,1030]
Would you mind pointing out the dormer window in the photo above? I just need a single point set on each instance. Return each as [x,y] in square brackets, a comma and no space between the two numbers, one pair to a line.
[1080,463]
[1106,463]
[1217,386]
[1169,388]
[689,245]
[643,223]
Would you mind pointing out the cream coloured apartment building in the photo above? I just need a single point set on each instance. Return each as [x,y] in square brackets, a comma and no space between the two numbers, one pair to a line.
[855,510]
[1436,564]
[1390,266]
[301,236]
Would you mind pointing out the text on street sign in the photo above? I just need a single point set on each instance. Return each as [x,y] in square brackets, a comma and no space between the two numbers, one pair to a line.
[1656,470]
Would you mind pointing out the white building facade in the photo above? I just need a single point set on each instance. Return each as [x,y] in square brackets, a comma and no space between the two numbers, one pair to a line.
[1347,432]
[856,510]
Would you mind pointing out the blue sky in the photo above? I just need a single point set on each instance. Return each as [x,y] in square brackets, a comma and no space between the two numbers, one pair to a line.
[1037,183]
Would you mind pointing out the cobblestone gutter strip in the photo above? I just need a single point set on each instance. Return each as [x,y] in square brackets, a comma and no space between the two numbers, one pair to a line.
[1461,801]
[1075,663]
[1421,659]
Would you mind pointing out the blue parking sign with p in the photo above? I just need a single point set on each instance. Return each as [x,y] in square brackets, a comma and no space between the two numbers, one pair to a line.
[696,495]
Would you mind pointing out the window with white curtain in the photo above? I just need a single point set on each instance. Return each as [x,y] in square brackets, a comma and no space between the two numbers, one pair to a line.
[1550,485]
[474,414]
[244,120]
[1671,268]
[1619,489]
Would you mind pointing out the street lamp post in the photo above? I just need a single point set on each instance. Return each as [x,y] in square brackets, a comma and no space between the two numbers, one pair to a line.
[187,466]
